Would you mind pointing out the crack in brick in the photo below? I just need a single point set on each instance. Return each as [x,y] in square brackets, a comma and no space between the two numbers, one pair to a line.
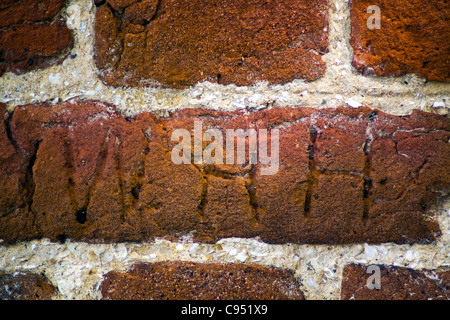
[98,170]
[138,178]
[158,9]
[7,122]
[251,191]
[30,184]
[311,180]
[119,176]
[70,174]
[367,184]
[204,194]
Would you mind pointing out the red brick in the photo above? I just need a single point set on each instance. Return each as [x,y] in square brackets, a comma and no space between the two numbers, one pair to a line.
[10,164]
[29,38]
[339,145]
[413,38]
[337,203]
[396,283]
[180,43]
[16,220]
[25,286]
[18,12]
[200,281]
[86,172]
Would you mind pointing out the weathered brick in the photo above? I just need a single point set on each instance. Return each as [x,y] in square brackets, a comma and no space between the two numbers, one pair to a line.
[180,43]
[25,286]
[413,38]
[15,216]
[18,12]
[200,281]
[82,170]
[32,35]
[338,203]
[396,283]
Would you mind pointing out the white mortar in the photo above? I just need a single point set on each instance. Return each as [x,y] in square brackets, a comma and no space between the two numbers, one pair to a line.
[78,268]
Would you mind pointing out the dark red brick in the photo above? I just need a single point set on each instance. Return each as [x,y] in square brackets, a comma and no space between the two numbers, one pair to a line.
[25,286]
[81,170]
[200,281]
[396,283]
[32,35]
[337,204]
[180,43]
[413,38]
[18,12]
[16,220]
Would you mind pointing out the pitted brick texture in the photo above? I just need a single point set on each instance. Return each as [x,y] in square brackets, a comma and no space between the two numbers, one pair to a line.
[173,43]
[25,286]
[396,283]
[196,281]
[413,38]
[345,176]
[32,35]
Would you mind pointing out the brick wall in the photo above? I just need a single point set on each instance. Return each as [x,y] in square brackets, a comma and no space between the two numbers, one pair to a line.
[119,181]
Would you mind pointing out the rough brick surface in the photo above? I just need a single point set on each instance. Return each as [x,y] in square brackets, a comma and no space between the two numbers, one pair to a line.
[32,35]
[83,171]
[25,286]
[196,281]
[396,283]
[413,38]
[180,43]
